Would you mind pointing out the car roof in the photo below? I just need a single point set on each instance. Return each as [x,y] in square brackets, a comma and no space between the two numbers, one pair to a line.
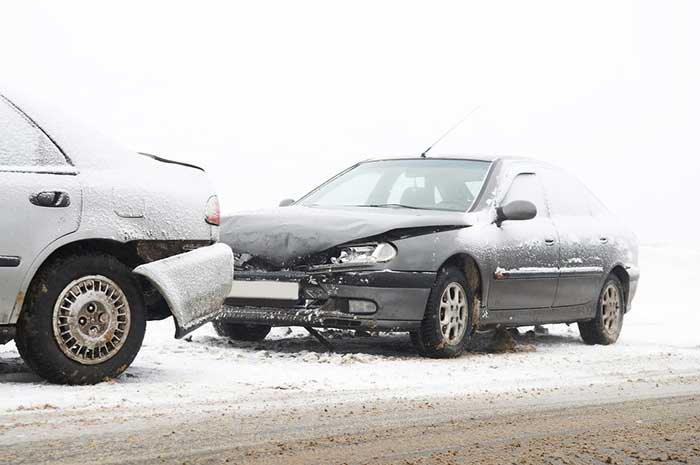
[450,156]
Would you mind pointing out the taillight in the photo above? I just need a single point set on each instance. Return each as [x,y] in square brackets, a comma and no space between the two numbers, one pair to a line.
[213,213]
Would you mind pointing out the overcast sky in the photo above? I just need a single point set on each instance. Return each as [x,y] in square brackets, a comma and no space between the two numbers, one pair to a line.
[274,97]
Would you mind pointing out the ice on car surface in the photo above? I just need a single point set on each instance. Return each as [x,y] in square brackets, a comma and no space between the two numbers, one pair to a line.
[18,136]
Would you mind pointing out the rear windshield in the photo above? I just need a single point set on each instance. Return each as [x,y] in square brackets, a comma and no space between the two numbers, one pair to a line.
[427,184]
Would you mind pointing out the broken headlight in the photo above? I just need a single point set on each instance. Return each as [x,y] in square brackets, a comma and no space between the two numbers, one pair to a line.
[365,254]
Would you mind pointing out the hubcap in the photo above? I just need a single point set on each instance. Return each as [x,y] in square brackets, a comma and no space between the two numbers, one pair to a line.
[453,313]
[91,320]
[611,308]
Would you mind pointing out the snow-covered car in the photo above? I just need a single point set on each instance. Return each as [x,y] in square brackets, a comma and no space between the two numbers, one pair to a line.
[94,241]
[438,247]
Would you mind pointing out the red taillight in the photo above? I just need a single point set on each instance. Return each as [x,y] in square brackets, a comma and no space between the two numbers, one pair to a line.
[213,213]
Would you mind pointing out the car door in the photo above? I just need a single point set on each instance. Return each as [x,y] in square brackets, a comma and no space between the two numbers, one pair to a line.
[527,252]
[582,239]
[40,200]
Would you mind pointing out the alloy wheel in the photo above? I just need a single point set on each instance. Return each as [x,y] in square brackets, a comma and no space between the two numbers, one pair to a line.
[611,308]
[453,313]
[91,320]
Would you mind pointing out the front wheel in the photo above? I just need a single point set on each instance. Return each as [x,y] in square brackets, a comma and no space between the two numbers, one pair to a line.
[446,326]
[83,320]
[606,326]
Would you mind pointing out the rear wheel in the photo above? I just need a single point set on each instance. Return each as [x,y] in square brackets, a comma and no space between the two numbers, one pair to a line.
[241,332]
[83,320]
[606,326]
[446,326]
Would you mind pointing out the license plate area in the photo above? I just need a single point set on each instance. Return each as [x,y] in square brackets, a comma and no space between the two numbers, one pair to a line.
[273,290]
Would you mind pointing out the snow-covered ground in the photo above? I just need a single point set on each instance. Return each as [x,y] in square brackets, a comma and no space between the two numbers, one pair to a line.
[659,344]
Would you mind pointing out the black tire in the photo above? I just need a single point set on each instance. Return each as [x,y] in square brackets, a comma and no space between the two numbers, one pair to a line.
[35,338]
[605,328]
[430,340]
[241,332]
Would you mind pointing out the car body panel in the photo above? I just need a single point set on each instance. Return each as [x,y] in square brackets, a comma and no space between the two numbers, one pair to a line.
[400,299]
[31,227]
[194,284]
[582,260]
[330,226]
[527,267]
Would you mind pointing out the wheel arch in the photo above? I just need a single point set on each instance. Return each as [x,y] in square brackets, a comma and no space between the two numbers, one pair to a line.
[125,252]
[475,280]
[621,273]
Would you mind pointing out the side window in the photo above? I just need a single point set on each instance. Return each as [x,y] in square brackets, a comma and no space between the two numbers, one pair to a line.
[596,206]
[527,186]
[22,144]
[566,195]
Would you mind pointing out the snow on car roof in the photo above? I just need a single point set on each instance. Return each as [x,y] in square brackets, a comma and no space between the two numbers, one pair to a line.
[475,157]
[83,145]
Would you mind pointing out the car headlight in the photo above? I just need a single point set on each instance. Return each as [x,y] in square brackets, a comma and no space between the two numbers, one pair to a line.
[365,254]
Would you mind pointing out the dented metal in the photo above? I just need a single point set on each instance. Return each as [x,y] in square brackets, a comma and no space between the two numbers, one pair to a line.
[284,236]
[194,284]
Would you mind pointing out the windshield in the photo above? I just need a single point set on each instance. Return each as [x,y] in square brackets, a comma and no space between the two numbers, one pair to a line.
[426,184]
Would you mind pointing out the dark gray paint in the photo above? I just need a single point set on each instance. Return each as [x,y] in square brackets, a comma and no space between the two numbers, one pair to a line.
[555,265]
[523,244]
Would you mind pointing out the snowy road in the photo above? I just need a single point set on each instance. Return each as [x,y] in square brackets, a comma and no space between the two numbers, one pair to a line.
[589,424]
[290,377]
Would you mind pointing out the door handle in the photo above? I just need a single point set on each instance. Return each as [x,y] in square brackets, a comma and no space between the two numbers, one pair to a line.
[549,241]
[603,240]
[55,199]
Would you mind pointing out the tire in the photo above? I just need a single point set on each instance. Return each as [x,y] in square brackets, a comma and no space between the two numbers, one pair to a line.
[241,332]
[83,320]
[447,324]
[606,326]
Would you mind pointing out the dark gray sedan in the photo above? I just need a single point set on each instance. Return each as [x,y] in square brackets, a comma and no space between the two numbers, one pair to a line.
[438,247]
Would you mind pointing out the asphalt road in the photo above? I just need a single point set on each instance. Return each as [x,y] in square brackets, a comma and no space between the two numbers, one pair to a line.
[642,423]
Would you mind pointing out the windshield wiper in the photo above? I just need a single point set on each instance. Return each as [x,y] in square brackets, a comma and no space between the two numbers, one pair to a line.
[393,205]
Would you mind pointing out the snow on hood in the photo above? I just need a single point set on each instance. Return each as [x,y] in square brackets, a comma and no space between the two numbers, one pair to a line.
[283,235]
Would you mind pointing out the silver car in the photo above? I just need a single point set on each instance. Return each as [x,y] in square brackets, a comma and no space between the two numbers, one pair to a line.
[94,241]
[438,247]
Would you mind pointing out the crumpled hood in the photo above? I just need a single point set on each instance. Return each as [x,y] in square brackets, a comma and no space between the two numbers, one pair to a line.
[282,236]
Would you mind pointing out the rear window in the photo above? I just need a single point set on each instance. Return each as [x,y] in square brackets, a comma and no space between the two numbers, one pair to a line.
[565,194]
[22,144]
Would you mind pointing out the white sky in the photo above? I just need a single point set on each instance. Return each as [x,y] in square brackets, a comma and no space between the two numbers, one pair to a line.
[274,97]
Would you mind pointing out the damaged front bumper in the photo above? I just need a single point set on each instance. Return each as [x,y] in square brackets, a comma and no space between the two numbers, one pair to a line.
[358,299]
[194,284]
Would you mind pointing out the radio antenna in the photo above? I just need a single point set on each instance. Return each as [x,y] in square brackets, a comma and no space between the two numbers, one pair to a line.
[422,155]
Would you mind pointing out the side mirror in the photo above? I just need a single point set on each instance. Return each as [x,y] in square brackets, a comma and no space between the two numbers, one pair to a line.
[515,210]
[286,202]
